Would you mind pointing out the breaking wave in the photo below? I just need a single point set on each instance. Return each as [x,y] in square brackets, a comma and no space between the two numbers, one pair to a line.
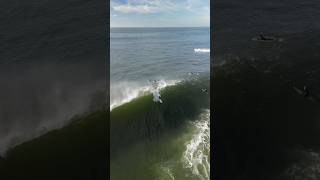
[125,92]
[201,50]
[197,153]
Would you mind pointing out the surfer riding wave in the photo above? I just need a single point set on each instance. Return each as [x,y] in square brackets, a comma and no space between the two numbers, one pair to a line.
[155,92]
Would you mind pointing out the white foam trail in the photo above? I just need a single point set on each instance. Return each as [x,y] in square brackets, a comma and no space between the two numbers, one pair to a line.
[196,155]
[124,92]
[307,168]
[156,96]
[201,50]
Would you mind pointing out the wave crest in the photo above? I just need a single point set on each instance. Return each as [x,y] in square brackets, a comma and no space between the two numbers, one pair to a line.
[126,91]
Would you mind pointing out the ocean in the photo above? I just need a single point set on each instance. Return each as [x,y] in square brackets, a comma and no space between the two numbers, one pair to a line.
[159,103]
[264,128]
[51,65]
[53,75]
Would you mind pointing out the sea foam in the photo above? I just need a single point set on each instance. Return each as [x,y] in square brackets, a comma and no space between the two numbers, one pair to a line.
[196,156]
[307,167]
[201,50]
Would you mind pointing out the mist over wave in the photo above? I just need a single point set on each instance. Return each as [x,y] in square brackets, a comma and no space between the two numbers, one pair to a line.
[38,99]
[50,65]
[124,92]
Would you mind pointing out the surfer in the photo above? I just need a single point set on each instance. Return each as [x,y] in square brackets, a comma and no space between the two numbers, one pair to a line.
[264,38]
[156,93]
[305,91]
[156,96]
[204,90]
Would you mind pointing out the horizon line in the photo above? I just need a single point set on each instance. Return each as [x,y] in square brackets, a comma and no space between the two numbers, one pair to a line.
[159,26]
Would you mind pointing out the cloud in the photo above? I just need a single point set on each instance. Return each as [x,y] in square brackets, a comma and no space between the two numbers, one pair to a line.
[144,9]
[160,13]
[144,6]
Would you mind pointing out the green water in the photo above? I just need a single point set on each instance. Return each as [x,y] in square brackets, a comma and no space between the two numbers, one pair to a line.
[163,141]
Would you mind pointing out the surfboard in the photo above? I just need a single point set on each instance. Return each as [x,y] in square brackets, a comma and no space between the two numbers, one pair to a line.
[300,92]
[268,39]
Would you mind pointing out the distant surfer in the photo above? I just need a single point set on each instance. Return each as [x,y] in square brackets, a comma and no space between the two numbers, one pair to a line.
[204,90]
[261,37]
[305,91]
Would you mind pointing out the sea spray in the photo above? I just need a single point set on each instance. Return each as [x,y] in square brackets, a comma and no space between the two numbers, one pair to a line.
[196,156]
[156,92]
[126,91]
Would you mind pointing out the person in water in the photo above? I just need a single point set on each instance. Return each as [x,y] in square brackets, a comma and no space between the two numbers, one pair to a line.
[156,96]
[305,91]
[204,90]
[156,93]
[263,38]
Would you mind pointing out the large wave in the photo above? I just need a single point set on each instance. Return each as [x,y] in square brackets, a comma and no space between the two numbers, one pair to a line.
[124,92]
[142,118]
[170,140]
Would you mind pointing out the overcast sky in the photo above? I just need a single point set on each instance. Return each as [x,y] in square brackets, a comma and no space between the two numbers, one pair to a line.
[160,13]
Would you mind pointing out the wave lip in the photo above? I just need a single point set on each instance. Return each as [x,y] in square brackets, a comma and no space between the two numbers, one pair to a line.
[201,50]
[196,155]
[126,91]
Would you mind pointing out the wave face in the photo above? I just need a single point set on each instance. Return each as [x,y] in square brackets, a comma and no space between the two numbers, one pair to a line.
[163,139]
[48,68]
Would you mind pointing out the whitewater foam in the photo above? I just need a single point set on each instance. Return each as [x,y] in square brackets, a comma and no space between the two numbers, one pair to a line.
[201,50]
[308,167]
[124,92]
[156,96]
[196,156]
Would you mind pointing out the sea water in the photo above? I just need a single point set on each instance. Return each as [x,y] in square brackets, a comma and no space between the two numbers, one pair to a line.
[157,78]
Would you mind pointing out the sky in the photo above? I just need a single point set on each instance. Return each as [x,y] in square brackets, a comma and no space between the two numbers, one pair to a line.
[160,13]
